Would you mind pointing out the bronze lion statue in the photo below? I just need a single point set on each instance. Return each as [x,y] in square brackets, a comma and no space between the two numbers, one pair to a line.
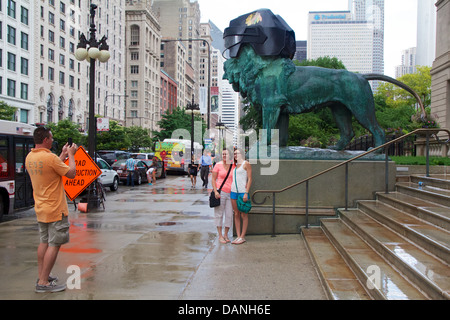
[271,81]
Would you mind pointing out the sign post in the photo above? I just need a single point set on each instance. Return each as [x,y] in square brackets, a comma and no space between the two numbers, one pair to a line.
[87,172]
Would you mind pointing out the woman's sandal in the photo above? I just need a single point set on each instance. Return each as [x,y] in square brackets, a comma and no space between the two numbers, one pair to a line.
[236,241]
[222,240]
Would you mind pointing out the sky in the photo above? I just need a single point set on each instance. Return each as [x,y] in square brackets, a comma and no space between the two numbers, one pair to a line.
[400,25]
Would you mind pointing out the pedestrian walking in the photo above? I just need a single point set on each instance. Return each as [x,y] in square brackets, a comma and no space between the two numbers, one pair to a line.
[193,170]
[206,163]
[130,165]
[242,181]
[50,204]
[223,214]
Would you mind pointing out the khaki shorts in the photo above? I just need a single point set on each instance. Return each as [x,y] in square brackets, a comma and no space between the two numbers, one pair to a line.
[55,233]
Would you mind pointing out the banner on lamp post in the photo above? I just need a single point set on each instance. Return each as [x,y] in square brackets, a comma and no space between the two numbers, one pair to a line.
[102,124]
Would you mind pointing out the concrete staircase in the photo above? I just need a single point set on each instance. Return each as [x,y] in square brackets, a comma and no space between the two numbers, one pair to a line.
[395,247]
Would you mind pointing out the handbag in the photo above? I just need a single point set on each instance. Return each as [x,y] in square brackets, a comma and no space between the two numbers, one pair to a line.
[213,201]
[242,205]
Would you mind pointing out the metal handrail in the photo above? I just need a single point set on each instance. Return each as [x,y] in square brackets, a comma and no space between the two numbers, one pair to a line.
[428,132]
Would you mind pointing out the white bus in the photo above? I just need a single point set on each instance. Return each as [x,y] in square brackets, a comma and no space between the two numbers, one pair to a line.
[16,141]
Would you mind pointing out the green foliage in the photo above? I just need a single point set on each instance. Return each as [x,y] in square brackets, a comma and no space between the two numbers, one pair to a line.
[323,62]
[139,138]
[6,111]
[421,160]
[63,130]
[116,138]
[171,121]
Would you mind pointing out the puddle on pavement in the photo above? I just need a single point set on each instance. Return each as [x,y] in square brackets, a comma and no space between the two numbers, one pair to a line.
[167,223]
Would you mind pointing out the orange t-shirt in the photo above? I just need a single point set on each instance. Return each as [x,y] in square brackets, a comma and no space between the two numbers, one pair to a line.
[46,170]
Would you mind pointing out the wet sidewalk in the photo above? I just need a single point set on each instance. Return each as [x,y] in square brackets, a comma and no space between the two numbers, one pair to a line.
[157,242]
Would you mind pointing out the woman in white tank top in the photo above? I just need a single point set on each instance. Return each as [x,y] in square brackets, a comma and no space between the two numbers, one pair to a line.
[243,178]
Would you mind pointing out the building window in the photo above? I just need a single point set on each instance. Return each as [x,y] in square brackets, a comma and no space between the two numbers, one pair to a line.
[11,35]
[24,15]
[51,74]
[24,40]
[51,18]
[51,36]
[135,56]
[24,66]
[134,69]
[134,35]
[61,77]
[11,88]
[23,116]
[11,8]
[24,91]
[11,61]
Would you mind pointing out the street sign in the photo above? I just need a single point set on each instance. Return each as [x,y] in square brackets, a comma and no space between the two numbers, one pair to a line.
[87,172]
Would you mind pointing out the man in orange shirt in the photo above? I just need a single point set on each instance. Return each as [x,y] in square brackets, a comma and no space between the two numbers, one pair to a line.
[46,171]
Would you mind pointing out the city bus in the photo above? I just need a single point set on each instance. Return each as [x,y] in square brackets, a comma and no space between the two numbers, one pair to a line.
[16,141]
[176,154]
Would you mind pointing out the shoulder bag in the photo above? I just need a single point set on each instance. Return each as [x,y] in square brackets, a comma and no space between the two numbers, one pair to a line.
[243,206]
[213,201]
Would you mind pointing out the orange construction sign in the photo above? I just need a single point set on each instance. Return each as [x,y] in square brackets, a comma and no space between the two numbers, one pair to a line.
[87,172]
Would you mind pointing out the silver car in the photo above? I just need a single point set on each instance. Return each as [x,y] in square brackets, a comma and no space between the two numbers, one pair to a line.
[109,177]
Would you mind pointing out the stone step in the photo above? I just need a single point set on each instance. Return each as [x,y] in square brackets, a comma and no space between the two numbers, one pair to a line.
[381,280]
[339,281]
[429,273]
[436,180]
[428,193]
[430,237]
[434,213]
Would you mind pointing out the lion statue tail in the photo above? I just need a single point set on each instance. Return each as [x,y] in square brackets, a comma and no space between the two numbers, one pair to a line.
[382,77]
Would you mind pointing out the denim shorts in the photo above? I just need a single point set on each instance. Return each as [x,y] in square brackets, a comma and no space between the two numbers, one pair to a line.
[55,233]
[234,195]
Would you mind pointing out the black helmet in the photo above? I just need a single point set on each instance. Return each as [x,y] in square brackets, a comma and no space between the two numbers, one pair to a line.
[268,34]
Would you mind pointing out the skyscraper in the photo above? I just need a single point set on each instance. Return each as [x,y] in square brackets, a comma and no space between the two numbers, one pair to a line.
[355,36]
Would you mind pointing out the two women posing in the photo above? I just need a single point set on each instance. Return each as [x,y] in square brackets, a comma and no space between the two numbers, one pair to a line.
[239,179]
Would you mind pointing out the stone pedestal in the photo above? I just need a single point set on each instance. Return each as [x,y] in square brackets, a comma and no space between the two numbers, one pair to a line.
[326,192]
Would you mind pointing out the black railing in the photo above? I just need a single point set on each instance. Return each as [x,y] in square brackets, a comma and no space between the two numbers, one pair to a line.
[399,148]
[422,131]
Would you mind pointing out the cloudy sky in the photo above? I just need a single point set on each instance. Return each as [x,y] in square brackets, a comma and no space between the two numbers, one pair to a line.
[400,19]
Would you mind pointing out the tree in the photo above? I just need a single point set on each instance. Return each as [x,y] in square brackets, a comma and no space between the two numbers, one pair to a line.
[419,81]
[171,121]
[139,138]
[63,130]
[114,139]
[6,111]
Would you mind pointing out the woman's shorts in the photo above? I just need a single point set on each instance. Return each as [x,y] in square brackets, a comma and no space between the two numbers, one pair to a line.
[234,195]
[55,233]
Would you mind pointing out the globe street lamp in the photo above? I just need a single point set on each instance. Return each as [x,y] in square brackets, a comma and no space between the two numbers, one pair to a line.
[192,108]
[92,50]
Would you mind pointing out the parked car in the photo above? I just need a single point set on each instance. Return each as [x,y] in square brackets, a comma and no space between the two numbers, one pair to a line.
[160,170]
[140,171]
[109,177]
[143,156]
[112,156]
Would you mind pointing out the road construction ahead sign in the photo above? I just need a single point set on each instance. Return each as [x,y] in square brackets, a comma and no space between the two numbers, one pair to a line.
[87,172]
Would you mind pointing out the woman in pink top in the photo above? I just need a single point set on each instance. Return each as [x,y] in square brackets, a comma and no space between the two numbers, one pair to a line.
[225,210]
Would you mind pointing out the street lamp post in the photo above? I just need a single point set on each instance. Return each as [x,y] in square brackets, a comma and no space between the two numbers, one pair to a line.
[220,126]
[208,123]
[98,50]
[192,108]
